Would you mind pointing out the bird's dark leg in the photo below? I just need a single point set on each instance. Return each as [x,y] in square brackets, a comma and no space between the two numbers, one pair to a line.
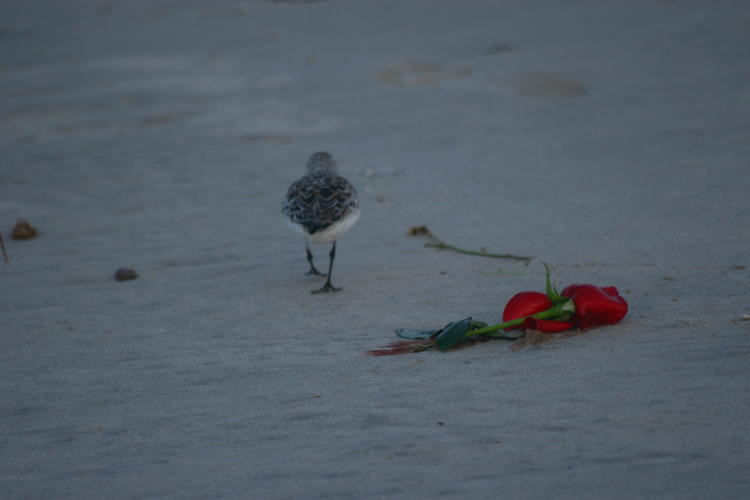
[328,287]
[312,271]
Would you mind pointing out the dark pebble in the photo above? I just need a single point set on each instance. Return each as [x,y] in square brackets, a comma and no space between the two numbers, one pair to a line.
[125,274]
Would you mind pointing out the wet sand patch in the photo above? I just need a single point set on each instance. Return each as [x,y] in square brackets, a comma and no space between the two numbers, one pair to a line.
[548,86]
[499,48]
[420,73]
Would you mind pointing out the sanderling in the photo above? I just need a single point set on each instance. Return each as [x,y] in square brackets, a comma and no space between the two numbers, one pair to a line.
[323,206]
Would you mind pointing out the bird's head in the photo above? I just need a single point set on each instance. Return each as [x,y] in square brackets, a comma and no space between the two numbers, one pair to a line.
[321,161]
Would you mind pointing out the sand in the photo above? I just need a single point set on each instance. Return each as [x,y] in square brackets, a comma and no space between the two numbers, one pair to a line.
[609,139]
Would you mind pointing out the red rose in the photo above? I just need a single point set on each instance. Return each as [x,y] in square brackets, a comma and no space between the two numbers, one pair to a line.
[595,305]
[527,303]
[584,306]
[547,325]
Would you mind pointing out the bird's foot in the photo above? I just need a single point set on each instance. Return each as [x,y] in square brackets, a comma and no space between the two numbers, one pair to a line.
[326,288]
[314,272]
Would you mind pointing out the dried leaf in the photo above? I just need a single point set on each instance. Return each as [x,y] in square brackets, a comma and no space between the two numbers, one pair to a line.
[403,347]
[418,231]
[23,231]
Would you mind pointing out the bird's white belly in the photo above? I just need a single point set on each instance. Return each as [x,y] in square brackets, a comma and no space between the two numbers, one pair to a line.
[332,232]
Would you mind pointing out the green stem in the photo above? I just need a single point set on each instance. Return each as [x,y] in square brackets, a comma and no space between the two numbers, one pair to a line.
[442,245]
[560,310]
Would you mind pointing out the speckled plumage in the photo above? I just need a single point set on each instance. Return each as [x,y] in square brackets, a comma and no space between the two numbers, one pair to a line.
[322,205]
[319,200]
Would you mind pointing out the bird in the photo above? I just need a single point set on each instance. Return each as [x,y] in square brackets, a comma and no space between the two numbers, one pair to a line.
[323,206]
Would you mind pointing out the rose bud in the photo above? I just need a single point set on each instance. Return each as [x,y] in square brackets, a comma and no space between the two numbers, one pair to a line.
[529,303]
[595,305]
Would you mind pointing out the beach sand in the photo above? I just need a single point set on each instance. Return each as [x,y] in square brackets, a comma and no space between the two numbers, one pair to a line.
[609,139]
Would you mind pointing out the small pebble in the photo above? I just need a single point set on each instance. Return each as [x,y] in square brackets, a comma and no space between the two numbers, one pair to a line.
[125,274]
[23,231]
